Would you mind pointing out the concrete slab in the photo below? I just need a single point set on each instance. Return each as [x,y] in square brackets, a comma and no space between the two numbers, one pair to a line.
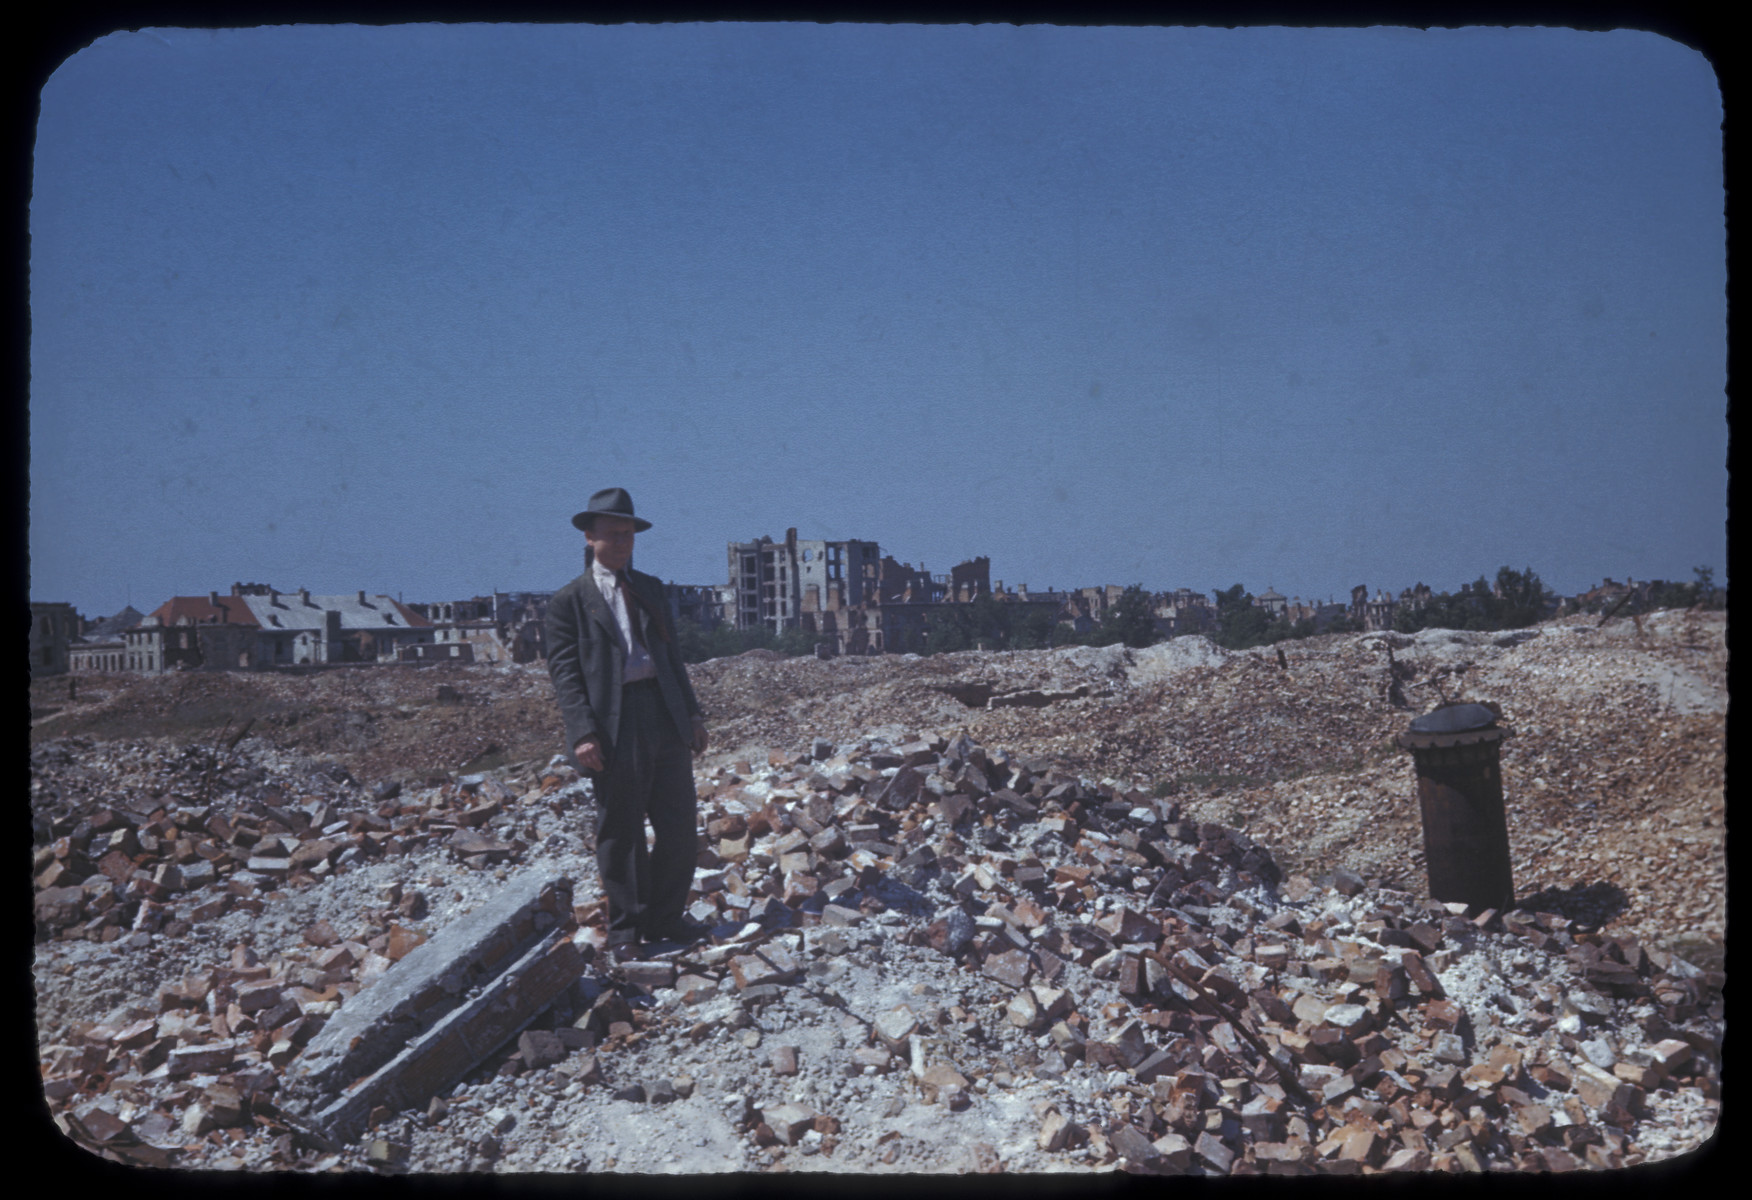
[426,986]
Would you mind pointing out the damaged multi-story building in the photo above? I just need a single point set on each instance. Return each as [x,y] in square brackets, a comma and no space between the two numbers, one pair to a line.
[1187,611]
[521,618]
[462,631]
[1088,607]
[1323,615]
[848,594]
[498,628]
[775,583]
[1376,614]
[851,596]
[705,604]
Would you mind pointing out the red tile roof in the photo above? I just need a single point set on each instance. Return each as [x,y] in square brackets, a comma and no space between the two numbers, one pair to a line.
[200,611]
[414,619]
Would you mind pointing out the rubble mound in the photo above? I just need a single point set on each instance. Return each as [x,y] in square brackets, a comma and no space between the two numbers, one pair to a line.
[1155,664]
[1614,775]
[928,953]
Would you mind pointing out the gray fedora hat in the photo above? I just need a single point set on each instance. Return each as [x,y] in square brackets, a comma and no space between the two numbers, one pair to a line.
[611,502]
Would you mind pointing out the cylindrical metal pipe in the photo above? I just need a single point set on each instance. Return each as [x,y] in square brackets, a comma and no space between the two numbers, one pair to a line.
[1457,753]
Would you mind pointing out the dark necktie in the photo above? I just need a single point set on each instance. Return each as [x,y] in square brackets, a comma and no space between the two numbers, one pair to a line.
[633,601]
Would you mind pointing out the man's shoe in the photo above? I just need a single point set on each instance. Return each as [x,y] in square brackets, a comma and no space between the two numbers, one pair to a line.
[623,950]
[679,930]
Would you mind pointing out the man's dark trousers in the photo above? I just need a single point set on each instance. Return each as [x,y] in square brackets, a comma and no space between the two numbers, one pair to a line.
[648,776]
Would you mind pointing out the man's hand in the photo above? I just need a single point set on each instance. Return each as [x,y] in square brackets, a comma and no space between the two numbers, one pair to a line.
[589,754]
[699,736]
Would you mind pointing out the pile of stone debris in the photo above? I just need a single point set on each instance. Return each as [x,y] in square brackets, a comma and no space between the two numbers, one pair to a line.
[114,870]
[1614,778]
[929,956]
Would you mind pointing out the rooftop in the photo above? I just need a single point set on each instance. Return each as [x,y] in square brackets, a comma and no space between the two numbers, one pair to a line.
[299,610]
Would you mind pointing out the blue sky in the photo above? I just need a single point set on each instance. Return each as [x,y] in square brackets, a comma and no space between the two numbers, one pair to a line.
[341,307]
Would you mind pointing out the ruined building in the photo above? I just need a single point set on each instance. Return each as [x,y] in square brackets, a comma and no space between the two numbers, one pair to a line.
[705,604]
[1416,597]
[53,627]
[899,583]
[462,631]
[851,596]
[1323,615]
[1373,614]
[970,580]
[1182,610]
[775,583]
[101,646]
[521,619]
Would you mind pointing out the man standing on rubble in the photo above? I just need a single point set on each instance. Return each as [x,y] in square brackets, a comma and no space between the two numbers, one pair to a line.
[631,719]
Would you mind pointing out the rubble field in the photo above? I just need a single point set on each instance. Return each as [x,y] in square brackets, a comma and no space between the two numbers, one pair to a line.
[1157,910]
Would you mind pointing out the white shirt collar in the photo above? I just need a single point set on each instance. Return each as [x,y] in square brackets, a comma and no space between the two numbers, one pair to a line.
[605,578]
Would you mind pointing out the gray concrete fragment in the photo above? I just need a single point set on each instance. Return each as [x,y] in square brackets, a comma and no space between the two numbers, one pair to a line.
[425,992]
[462,1038]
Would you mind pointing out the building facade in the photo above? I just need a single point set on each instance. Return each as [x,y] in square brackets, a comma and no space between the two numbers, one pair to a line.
[101,647]
[258,626]
[53,626]
[775,583]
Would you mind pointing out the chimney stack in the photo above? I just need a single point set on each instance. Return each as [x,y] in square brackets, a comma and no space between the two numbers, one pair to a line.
[1456,751]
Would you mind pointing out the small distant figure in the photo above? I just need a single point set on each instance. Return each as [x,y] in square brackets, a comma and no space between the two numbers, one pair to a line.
[1282,661]
[1397,674]
[72,688]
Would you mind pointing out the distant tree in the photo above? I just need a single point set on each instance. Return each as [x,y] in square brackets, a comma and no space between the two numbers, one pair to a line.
[1034,628]
[795,642]
[693,640]
[698,644]
[1700,591]
[1279,630]
[980,622]
[1445,610]
[909,639]
[1128,622]
[1520,598]
[1240,622]
[948,630]
[991,623]
[1481,606]
[1707,593]
[946,634]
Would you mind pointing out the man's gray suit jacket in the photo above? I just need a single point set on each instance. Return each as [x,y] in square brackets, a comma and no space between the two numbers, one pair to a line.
[586,659]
